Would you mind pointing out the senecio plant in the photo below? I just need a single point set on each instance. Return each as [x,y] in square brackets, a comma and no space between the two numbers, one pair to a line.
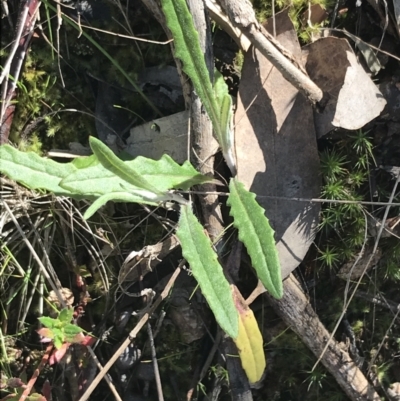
[104,177]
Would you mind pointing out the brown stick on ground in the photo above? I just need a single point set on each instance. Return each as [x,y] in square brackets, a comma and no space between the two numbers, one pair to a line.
[131,335]
[203,144]
[295,309]
[242,16]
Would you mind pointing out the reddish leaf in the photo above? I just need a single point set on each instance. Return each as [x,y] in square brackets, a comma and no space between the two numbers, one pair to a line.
[15,382]
[58,354]
[46,390]
[88,341]
[46,333]
[76,339]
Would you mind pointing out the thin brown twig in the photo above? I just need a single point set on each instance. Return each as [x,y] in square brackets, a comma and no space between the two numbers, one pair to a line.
[155,363]
[242,16]
[132,334]
[361,41]
[36,373]
[308,200]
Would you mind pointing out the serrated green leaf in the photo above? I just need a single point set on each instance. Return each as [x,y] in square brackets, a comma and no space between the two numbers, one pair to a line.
[257,235]
[112,163]
[114,196]
[49,322]
[224,101]
[227,131]
[58,339]
[71,330]
[187,48]
[197,250]
[144,189]
[85,162]
[65,315]
[33,171]
[164,174]
[220,86]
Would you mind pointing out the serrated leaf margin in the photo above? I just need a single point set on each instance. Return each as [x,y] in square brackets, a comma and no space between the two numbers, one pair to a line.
[197,250]
[257,235]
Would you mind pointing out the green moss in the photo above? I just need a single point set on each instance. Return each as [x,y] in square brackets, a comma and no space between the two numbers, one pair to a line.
[263,9]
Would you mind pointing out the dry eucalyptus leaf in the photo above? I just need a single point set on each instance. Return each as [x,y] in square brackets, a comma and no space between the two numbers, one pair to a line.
[167,135]
[315,14]
[394,389]
[67,297]
[352,98]
[277,150]
[140,263]
[396,6]
[353,271]
[371,59]
[391,92]
[391,228]
[188,321]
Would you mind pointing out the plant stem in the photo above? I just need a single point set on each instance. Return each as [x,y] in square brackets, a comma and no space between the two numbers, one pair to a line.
[37,371]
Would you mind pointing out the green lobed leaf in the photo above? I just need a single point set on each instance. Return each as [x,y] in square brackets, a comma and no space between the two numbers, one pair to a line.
[197,250]
[257,235]
[187,48]
[71,330]
[33,171]
[65,315]
[227,132]
[114,196]
[224,101]
[49,322]
[58,339]
[112,163]
[86,178]
[144,189]
[163,174]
